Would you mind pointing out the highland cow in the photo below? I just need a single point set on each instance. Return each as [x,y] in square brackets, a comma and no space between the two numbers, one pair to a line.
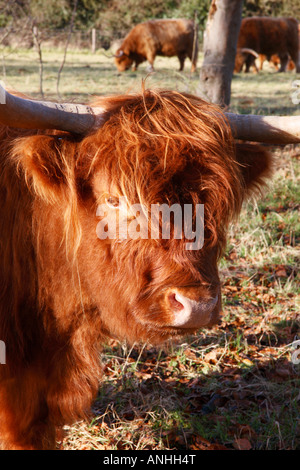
[63,288]
[268,36]
[167,38]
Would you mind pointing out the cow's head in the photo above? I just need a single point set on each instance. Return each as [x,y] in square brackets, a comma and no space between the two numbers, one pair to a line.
[155,149]
[244,56]
[123,60]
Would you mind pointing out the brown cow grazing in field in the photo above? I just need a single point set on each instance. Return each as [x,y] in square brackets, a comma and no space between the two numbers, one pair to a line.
[65,288]
[172,37]
[268,36]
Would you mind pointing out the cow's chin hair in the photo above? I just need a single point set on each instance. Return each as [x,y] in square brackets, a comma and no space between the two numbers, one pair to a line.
[153,333]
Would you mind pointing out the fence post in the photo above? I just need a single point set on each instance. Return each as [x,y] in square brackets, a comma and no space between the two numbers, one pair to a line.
[93,40]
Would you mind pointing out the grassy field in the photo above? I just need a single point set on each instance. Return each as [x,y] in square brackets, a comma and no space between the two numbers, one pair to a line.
[234,386]
[85,75]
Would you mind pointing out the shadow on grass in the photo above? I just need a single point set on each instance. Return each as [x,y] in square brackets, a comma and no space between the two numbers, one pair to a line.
[187,400]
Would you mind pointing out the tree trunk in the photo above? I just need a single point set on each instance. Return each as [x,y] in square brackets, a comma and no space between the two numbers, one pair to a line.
[220,40]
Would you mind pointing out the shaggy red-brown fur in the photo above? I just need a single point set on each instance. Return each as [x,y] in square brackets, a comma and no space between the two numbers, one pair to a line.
[62,288]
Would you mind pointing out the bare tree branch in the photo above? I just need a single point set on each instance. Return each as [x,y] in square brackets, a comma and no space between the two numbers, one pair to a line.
[66,46]
[37,43]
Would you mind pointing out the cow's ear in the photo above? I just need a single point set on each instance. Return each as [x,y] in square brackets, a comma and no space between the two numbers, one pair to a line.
[255,165]
[126,51]
[45,162]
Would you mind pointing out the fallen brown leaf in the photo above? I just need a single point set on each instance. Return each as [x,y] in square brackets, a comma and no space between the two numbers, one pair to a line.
[212,356]
[242,444]
[281,271]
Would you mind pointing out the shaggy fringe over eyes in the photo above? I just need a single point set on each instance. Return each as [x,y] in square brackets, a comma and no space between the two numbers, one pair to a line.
[156,147]
[160,140]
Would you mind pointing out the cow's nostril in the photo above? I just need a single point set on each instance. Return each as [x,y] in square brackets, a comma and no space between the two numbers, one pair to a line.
[190,313]
[174,303]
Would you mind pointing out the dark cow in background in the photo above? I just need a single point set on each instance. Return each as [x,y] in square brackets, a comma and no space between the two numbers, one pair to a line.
[64,289]
[268,36]
[171,37]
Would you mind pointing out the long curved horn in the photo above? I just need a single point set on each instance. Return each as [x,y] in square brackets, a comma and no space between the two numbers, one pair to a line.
[268,129]
[246,50]
[119,54]
[109,56]
[76,118]
[29,114]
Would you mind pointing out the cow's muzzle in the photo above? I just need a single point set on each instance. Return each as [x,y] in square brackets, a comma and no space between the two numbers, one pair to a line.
[188,312]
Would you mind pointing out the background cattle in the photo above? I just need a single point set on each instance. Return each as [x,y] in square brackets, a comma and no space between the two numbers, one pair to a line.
[268,36]
[274,61]
[63,289]
[172,37]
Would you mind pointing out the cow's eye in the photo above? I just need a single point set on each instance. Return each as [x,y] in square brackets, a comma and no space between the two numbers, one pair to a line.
[113,202]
